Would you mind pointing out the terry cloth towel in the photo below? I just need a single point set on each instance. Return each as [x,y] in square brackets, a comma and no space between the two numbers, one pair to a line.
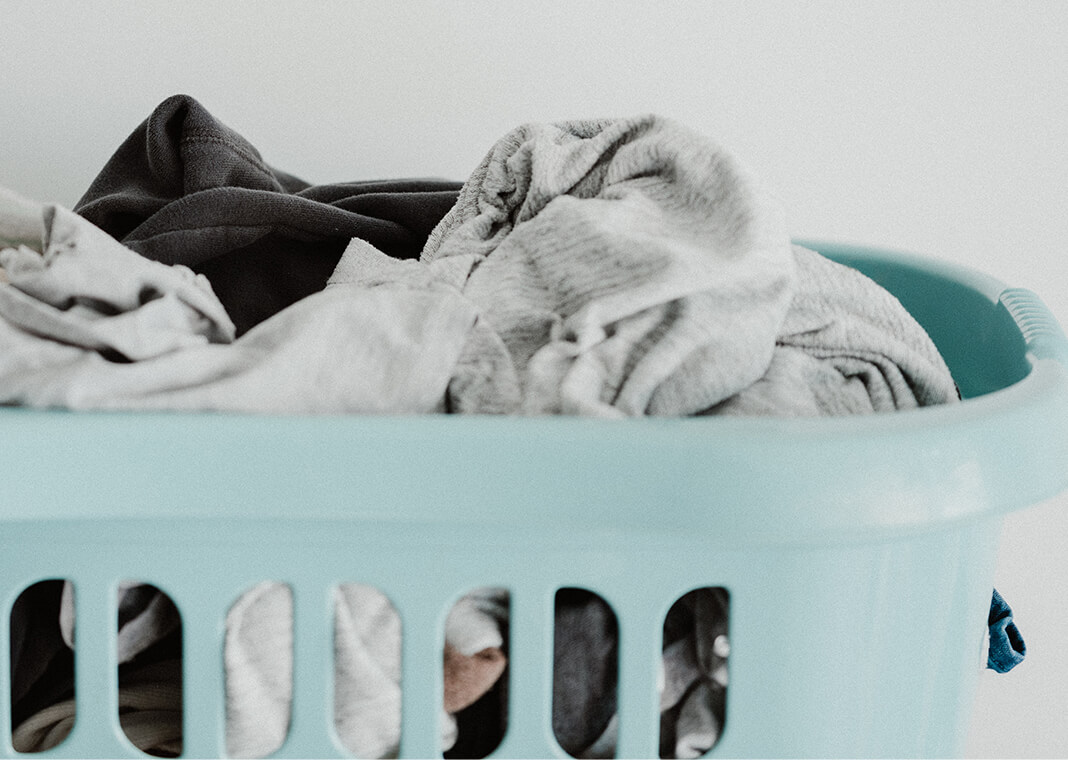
[184,188]
[88,323]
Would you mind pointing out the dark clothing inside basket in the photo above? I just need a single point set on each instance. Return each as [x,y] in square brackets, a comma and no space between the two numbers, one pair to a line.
[186,189]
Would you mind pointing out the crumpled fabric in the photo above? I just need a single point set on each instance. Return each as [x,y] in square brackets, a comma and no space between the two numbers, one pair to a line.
[623,268]
[148,653]
[613,268]
[146,617]
[20,221]
[90,324]
[150,713]
[258,663]
[185,188]
[632,267]
[585,673]
[693,674]
[1006,647]
[847,346]
[83,289]
[693,697]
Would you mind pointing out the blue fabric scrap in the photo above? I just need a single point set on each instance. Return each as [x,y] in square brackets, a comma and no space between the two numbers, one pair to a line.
[1007,648]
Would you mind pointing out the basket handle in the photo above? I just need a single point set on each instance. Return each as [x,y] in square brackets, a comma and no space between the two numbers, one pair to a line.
[1040,330]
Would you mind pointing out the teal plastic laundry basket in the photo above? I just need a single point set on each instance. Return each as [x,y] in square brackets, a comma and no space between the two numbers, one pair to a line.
[858,552]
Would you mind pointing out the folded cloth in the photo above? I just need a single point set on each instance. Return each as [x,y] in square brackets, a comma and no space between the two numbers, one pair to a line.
[20,221]
[89,323]
[184,188]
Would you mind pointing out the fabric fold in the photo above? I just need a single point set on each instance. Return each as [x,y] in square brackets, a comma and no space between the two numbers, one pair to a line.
[90,324]
[629,267]
[184,188]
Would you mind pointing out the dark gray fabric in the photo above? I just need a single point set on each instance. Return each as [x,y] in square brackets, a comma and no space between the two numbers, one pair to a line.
[186,189]
[693,700]
[585,668]
[586,664]
[42,669]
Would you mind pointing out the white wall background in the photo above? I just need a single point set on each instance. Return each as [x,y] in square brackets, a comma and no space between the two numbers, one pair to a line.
[940,128]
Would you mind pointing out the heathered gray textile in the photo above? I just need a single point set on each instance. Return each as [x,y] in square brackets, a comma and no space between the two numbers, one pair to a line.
[847,347]
[632,267]
[628,267]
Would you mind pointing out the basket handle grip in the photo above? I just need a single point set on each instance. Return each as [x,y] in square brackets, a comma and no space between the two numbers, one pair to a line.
[1040,330]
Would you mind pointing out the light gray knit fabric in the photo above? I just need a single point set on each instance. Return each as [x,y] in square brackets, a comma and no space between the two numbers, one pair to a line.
[367,665]
[625,267]
[847,347]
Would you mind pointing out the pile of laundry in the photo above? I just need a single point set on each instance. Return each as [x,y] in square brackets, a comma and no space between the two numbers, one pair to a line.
[613,268]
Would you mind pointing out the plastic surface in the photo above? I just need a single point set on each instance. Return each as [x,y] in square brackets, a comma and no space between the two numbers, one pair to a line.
[858,551]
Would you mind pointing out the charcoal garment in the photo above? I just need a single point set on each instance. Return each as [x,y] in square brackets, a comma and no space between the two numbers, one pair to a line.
[184,188]
[693,675]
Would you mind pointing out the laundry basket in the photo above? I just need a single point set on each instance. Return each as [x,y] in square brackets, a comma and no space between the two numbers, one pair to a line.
[857,552]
